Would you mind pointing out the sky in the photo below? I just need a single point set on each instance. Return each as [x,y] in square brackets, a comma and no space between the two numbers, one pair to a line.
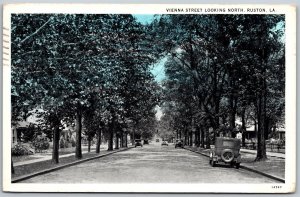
[158,69]
[144,19]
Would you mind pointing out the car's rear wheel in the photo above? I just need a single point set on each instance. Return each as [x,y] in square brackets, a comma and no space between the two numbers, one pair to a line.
[227,155]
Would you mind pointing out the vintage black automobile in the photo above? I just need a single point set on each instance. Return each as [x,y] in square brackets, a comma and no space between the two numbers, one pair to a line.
[138,142]
[178,143]
[225,150]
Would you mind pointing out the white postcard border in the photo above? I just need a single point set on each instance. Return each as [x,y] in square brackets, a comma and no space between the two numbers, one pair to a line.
[290,99]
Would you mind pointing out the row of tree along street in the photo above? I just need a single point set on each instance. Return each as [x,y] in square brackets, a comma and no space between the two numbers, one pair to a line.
[220,68]
[91,71]
[94,71]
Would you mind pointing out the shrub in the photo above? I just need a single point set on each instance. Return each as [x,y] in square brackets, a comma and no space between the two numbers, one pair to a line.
[40,143]
[19,150]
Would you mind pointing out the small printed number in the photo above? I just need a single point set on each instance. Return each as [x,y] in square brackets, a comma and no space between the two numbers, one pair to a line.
[276,187]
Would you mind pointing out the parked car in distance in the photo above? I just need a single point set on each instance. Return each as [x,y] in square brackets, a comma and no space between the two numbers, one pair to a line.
[164,143]
[178,143]
[225,150]
[138,142]
[157,140]
[146,142]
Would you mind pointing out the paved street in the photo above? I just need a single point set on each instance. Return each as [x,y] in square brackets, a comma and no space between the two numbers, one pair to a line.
[150,164]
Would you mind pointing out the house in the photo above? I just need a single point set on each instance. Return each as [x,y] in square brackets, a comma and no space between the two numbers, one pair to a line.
[251,131]
[20,127]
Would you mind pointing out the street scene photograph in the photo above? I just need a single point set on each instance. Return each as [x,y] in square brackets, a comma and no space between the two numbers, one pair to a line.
[148,98]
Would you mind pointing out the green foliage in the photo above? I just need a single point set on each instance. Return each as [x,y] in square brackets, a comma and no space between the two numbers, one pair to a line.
[61,61]
[218,67]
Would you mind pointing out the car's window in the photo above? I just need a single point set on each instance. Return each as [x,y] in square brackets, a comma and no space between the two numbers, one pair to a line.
[228,143]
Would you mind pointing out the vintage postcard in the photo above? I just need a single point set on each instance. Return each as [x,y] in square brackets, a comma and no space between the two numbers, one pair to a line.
[148,98]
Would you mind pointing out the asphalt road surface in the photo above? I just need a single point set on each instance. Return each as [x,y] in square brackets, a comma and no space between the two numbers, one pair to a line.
[150,164]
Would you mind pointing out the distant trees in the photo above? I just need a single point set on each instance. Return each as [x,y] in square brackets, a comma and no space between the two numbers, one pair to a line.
[219,68]
[91,70]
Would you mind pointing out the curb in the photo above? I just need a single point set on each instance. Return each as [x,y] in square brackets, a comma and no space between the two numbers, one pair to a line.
[246,168]
[25,177]
[196,152]
[262,173]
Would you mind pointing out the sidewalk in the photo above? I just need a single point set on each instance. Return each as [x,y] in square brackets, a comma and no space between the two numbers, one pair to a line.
[269,154]
[44,158]
[38,157]
[274,165]
[33,166]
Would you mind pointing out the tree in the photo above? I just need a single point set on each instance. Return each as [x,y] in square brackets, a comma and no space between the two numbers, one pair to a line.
[228,68]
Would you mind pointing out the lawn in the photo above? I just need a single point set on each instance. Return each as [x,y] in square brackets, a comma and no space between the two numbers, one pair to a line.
[24,158]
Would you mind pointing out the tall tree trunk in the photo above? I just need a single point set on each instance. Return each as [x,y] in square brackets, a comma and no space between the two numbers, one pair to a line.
[232,116]
[232,103]
[117,141]
[55,153]
[195,138]
[111,136]
[262,105]
[261,144]
[110,140]
[267,126]
[89,145]
[12,167]
[98,141]
[207,138]
[216,100]
[133,136]
[191,138]
[198,136]
[202,137]
[126,140]
[122,139]
[185,137]
[78,151]
[243,127]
